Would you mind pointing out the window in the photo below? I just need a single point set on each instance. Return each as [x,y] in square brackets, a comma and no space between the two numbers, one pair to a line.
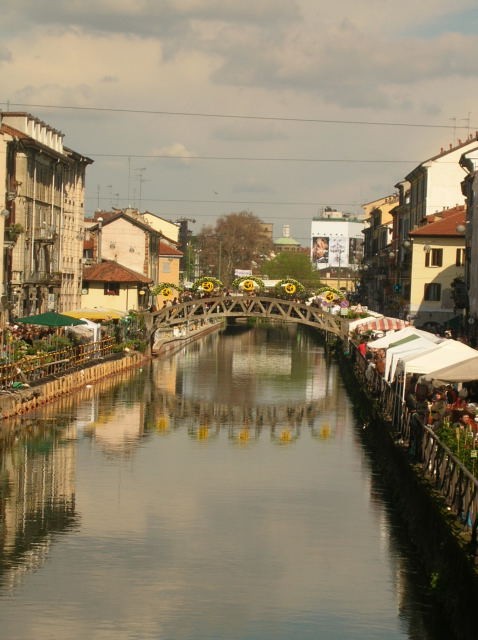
[460,257]
[434,258]
[432,292]
[112,289]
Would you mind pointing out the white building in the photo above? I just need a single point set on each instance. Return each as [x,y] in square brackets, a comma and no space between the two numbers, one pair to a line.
[435,184]
[336,240]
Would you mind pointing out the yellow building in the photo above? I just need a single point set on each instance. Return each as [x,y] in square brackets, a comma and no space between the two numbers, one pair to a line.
[438,258]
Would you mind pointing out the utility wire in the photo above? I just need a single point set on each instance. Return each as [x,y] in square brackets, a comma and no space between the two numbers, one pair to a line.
[238,116]
[249,159]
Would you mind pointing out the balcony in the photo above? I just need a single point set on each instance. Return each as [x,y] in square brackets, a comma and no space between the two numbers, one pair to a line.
[44,277]
[46,234]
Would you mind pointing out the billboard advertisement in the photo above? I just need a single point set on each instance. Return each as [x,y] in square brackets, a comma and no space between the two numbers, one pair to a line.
[320,250]
[338,251]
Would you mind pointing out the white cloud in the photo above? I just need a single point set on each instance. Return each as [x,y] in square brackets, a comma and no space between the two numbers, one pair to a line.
[302,59]
[175,150]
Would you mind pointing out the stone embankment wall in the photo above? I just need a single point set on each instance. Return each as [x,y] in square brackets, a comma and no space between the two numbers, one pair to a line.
[13,403]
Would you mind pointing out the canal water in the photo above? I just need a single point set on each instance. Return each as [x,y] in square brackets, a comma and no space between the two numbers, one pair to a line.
[222,493]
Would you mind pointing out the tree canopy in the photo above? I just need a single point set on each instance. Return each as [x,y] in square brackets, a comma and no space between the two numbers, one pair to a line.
[295,265]
[237,241]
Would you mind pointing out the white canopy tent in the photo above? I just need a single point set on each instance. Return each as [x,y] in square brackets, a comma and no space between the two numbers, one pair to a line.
[395,336]
[460,372]
[412,345]
[447,353]
[88,329]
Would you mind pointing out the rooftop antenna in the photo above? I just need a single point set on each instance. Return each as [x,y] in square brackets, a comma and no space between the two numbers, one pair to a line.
[468,125]
[129,180]
[454,128]
[140,180]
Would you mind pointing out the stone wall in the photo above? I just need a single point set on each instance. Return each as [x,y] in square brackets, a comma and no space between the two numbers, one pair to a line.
[13,403]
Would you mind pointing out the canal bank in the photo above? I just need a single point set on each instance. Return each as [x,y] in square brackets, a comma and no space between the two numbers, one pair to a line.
[16,402]
[443,548]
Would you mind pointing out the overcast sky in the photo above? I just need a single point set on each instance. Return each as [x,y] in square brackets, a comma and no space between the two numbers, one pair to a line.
[263,104]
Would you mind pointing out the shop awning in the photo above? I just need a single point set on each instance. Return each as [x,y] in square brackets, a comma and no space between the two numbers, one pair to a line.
[382,324]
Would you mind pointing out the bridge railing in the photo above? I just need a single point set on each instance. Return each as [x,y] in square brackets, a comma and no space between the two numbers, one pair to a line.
[250,306]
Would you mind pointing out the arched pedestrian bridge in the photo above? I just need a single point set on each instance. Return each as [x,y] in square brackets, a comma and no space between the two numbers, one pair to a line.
[246,307]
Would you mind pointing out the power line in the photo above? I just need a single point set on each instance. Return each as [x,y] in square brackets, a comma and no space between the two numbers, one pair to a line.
[235,116]
[248,159]
[273,202]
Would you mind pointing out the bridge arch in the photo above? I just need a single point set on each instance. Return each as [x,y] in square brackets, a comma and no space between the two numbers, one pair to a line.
[245,307]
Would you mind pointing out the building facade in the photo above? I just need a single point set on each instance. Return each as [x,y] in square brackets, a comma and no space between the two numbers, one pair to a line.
[43,214]
[438,262]
[336,240]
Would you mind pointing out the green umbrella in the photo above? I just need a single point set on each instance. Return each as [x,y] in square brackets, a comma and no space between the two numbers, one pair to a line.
[51,319]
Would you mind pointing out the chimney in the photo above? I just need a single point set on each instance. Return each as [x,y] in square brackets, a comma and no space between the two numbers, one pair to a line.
[100,232]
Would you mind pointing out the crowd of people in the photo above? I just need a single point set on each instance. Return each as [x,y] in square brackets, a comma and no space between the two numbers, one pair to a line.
[451,405]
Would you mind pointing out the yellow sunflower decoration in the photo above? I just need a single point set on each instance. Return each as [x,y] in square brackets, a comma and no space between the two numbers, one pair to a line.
[166,292]
[290,288]
[248,285]
[208,286]
[330,296]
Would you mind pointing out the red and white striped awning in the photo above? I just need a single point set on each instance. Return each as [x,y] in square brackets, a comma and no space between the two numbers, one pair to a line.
[382,324]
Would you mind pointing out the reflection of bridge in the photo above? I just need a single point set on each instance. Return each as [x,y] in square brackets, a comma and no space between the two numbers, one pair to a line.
[205,419]
[246,307]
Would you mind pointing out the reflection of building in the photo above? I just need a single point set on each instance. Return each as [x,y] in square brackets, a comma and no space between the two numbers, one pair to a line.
[40,501]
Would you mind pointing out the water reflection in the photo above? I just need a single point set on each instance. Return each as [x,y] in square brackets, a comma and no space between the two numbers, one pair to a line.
[207,496]
[37,494]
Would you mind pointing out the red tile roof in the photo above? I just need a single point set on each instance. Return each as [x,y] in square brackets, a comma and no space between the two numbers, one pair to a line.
[111,271]
[166,249]
[442,224]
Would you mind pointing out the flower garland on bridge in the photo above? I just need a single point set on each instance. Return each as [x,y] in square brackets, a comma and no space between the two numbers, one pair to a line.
[330,294]
[289,287]
[207,284]
[248,284]
[165,289]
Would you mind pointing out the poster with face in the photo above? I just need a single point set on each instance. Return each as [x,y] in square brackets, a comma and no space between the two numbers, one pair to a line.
[320,250]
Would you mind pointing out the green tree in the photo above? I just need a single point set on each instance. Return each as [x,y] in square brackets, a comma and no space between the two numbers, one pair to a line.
[295,265]
[237,241]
